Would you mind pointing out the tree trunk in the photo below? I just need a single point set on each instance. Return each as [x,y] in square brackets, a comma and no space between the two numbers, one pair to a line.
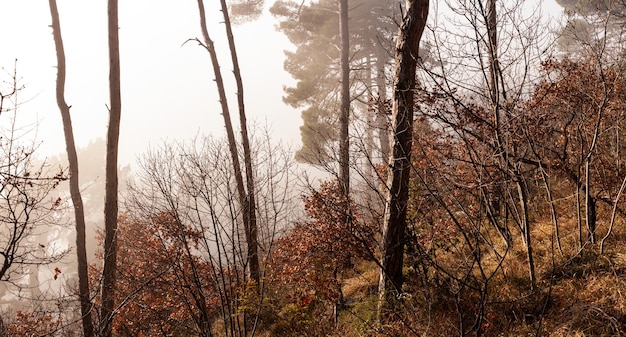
[394,225]
[613,213]
[579,221]
[381,116]
[250,207]
[523,201]
[492,31]
[555,219]
[77,200]
[590,207]
[251,243]
[370,121]
[494,95]
[111,198]
[344,118]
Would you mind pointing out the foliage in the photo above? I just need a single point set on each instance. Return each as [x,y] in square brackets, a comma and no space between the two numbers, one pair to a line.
[245,10]
[310,261]
[314,29]
[579,108]
[156,285]
[29,324]
[491,171]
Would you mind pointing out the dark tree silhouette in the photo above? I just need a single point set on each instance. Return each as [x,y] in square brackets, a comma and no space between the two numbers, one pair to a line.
[77,200]
[394,225]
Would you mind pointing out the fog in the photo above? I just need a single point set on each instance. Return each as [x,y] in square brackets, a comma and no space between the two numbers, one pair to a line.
[168,91]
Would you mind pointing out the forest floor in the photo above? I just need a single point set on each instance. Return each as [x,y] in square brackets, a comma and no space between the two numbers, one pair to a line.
[579,292]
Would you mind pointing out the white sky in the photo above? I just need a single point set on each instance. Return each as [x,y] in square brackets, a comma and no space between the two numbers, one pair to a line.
[167,89]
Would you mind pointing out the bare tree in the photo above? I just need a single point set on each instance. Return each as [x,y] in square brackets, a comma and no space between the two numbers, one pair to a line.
[250,207]
[27,205]
[250,232]
[193,184]
[344,116]
[111,189]
[502,116]
[77,200]
[392,251]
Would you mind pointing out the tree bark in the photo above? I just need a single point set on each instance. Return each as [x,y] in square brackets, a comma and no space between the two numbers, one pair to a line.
[590,207]
[250,207]
[251,243]
[494,64]
[394,225]
[381,116]
[613,213]
[525,222]
[77,200]
[111,184]
[344,118]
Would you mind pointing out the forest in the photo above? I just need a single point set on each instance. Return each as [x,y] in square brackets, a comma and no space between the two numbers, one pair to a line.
[460,174]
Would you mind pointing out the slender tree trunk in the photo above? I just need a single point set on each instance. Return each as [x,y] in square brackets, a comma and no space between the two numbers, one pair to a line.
[523,201]
[579,218]
[369,131]
[590,207]
[492,32]
[111,185]
[555,219]
[495,95]
[394,225]
[243,199]
[77,200]
[497,92]
[250,208]
[381,116]
[613,213]
[344,119]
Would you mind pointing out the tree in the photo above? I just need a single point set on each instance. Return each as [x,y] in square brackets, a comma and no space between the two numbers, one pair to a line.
[194,187]
[77,200]
[593,36]
[482,106]
[344,119]
[107,312]
[316,66]
[245,199]
[588,144]
[394,222]
[593,6]
[27,202]
[156,287]
[501,115]
[250,208]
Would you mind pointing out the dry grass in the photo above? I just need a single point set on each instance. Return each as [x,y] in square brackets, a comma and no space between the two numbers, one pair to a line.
[580,293]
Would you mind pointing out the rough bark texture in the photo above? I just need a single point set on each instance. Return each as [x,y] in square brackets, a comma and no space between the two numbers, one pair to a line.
[250,207]
[394,225]
[77,200]
[232,145]
[344,118]
[111,184]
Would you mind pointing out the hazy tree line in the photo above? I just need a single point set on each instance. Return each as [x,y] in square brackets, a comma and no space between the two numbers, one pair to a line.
[473,186]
